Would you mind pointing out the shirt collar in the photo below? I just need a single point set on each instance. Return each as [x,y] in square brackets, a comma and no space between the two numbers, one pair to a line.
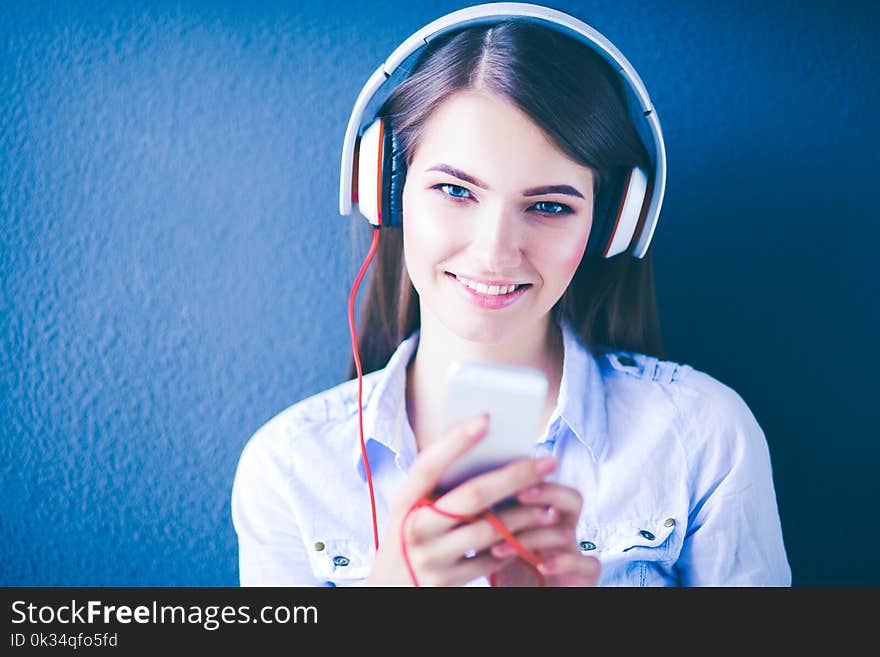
[580,405]
[581,401]
[385,420]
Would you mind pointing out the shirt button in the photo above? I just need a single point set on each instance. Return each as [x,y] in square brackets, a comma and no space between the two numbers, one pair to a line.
[626,361]
[586,546]
[319,546]
[340,561]
[646,534]
[669,522]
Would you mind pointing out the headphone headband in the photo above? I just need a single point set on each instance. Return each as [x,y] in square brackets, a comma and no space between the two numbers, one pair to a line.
[493,13]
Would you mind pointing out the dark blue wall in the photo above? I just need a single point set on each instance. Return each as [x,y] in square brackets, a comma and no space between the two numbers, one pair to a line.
[173,269]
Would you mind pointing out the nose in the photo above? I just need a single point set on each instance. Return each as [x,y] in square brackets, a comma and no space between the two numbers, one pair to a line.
[496,243]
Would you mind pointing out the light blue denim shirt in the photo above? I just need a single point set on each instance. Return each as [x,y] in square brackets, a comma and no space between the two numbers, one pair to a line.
[672,466]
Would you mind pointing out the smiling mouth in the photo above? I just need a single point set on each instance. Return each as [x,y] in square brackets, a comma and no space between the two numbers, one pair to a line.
[490,290]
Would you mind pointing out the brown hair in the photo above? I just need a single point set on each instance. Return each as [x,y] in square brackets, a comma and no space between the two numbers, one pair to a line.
[571,93]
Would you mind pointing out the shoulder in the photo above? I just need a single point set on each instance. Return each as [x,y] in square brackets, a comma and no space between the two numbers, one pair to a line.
[638,367]
[639,386]
[685,386]
[318,409]
[703,410]
[311,419]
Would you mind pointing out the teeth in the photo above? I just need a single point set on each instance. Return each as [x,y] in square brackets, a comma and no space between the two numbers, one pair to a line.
[494,290]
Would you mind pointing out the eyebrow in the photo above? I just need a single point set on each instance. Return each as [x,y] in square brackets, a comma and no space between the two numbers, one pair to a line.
[533,191]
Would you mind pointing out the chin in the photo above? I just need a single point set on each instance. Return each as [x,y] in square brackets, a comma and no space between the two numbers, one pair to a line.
[481,329]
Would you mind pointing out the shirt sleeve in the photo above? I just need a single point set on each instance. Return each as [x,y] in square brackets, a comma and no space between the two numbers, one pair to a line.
[271,551]
[734,535]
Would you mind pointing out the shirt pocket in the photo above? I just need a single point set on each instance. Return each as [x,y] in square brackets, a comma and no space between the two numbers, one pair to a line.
[341,561]
[633,551]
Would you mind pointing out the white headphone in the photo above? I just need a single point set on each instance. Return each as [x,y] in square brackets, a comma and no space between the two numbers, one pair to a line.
[371,178]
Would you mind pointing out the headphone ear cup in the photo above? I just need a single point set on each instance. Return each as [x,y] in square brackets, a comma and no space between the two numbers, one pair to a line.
[396,177]
[380,173]
[619,213]
[385,174]
[605,209]
[368,173]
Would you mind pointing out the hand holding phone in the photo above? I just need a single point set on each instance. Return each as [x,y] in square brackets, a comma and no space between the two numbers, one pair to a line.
[514,397]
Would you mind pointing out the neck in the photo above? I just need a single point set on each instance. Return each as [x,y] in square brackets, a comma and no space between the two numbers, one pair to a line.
[538,346]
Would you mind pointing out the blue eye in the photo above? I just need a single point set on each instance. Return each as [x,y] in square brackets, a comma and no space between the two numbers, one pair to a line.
[453,191]
[458,193]
[552,208]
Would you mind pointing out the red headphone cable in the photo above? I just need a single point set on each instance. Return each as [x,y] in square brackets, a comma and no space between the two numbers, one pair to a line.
[357,362]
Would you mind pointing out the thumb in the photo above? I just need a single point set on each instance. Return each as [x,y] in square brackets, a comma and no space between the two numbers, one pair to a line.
[435,459]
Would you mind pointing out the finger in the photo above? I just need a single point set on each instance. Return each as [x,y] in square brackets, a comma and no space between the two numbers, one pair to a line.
[481,565]
[464,571]
[479,535]
[568,500]
[422,525]
[484,491]
[572,569]
[434,460]
[544,538]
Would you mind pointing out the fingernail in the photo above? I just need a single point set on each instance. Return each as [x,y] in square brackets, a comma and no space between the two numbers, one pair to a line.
[476,425]
[546,566]
[502,550]
[530,493]
[546,465]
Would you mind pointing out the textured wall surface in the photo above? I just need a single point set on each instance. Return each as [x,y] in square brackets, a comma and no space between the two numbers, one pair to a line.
[174,272]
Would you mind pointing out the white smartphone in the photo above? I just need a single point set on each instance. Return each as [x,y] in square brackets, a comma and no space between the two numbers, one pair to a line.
[514,397]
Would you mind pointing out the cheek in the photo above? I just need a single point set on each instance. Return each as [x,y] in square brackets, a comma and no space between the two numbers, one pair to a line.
[572,256]
[565,254]
[426,237]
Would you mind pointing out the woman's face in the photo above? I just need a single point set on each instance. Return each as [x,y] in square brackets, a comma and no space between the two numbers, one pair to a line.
[488,197]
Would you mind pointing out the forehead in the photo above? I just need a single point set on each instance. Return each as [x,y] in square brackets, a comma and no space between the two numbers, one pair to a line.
[490,137]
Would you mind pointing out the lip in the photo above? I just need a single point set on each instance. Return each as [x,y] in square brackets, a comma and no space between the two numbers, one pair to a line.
[488,301]
[486,281]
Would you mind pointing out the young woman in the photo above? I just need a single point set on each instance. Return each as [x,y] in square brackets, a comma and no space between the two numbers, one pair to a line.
[647,472]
